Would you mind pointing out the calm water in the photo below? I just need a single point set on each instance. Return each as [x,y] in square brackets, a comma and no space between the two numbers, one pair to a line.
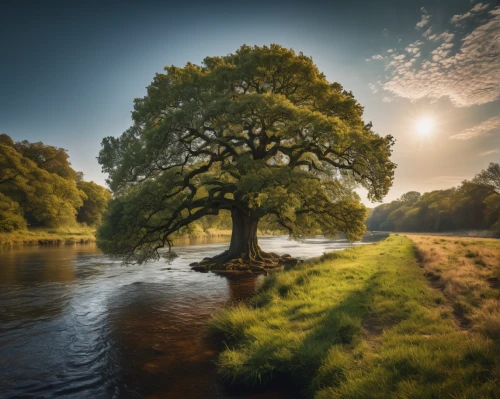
[76,324]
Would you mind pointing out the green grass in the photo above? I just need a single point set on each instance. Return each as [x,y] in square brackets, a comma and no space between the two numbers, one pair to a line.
[46,236]
[361,323]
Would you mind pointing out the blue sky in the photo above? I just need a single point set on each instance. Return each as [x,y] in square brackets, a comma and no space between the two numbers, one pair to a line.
[70,70]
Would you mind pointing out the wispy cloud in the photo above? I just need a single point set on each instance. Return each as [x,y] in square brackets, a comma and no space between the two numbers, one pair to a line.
[424,20]
[478,8]
[427,33]
[373,88]
[445,37]
[461,66]
[376,57]
[483,154]
[484,128]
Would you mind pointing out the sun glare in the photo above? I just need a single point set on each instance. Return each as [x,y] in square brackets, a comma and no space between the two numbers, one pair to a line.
[425,125]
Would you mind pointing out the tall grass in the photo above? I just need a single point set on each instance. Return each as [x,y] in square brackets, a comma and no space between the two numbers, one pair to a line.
[467,272]
[363,323]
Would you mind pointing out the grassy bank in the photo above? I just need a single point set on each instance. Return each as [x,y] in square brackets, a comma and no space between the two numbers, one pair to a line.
[365,323]
[48,236]
[79,234]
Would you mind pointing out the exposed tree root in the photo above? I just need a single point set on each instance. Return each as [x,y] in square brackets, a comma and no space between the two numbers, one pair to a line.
[260,263]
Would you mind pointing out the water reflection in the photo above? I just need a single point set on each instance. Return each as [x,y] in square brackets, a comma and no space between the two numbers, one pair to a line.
[29,265]
[74,323]
[157,353]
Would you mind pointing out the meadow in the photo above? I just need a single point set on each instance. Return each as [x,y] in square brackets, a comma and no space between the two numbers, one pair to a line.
[409,317]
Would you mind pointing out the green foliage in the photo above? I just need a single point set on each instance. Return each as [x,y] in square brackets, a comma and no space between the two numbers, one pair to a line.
[492,211]
[95,202]
[364,324]
[11,217]
[38,186]
[44,197]
[473,205]
[6,140]
[222,221]
[490,176]
[260,131]
[410,197]
[52,159]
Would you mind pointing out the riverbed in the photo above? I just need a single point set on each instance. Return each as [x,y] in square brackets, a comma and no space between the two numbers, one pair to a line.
[75,323]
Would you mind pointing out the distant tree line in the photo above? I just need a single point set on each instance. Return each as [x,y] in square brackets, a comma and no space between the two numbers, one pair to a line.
[38,187]
[222,224]
[475,204]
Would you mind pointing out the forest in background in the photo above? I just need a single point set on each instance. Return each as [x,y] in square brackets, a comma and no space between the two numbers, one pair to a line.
[39,188]
[474,205]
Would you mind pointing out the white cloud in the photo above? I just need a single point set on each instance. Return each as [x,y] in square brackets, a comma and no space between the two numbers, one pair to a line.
[373,88]
[424,20]
[483,154]
[376,57]
[414,47]
[445,36]
[465,69]
[478,8]
[483,129]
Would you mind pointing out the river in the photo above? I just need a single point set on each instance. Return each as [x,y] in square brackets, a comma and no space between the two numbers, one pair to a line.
[75,323]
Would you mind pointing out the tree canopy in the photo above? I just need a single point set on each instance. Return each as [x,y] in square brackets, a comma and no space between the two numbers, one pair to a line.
[52,159]
[490,176]
[95,201]
[259,133]
[38,187]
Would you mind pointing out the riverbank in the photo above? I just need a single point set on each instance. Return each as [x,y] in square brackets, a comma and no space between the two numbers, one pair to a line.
[48,236]
[84,235]
[399,318]
[78,234]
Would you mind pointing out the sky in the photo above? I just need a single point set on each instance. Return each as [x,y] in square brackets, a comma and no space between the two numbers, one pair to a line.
[426,72]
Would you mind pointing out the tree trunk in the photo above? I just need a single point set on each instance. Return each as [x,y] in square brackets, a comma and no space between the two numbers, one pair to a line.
[244,237]
[244,252]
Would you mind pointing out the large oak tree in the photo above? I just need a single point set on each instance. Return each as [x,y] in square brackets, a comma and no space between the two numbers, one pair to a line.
[258,133]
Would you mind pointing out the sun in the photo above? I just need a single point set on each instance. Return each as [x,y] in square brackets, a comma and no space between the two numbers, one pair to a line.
[425,125]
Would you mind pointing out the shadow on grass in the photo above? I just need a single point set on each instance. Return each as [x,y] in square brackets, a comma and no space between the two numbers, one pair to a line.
[343,326]
[340,326]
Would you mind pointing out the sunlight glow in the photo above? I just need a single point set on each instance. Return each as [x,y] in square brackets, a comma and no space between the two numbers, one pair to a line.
[425,125]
